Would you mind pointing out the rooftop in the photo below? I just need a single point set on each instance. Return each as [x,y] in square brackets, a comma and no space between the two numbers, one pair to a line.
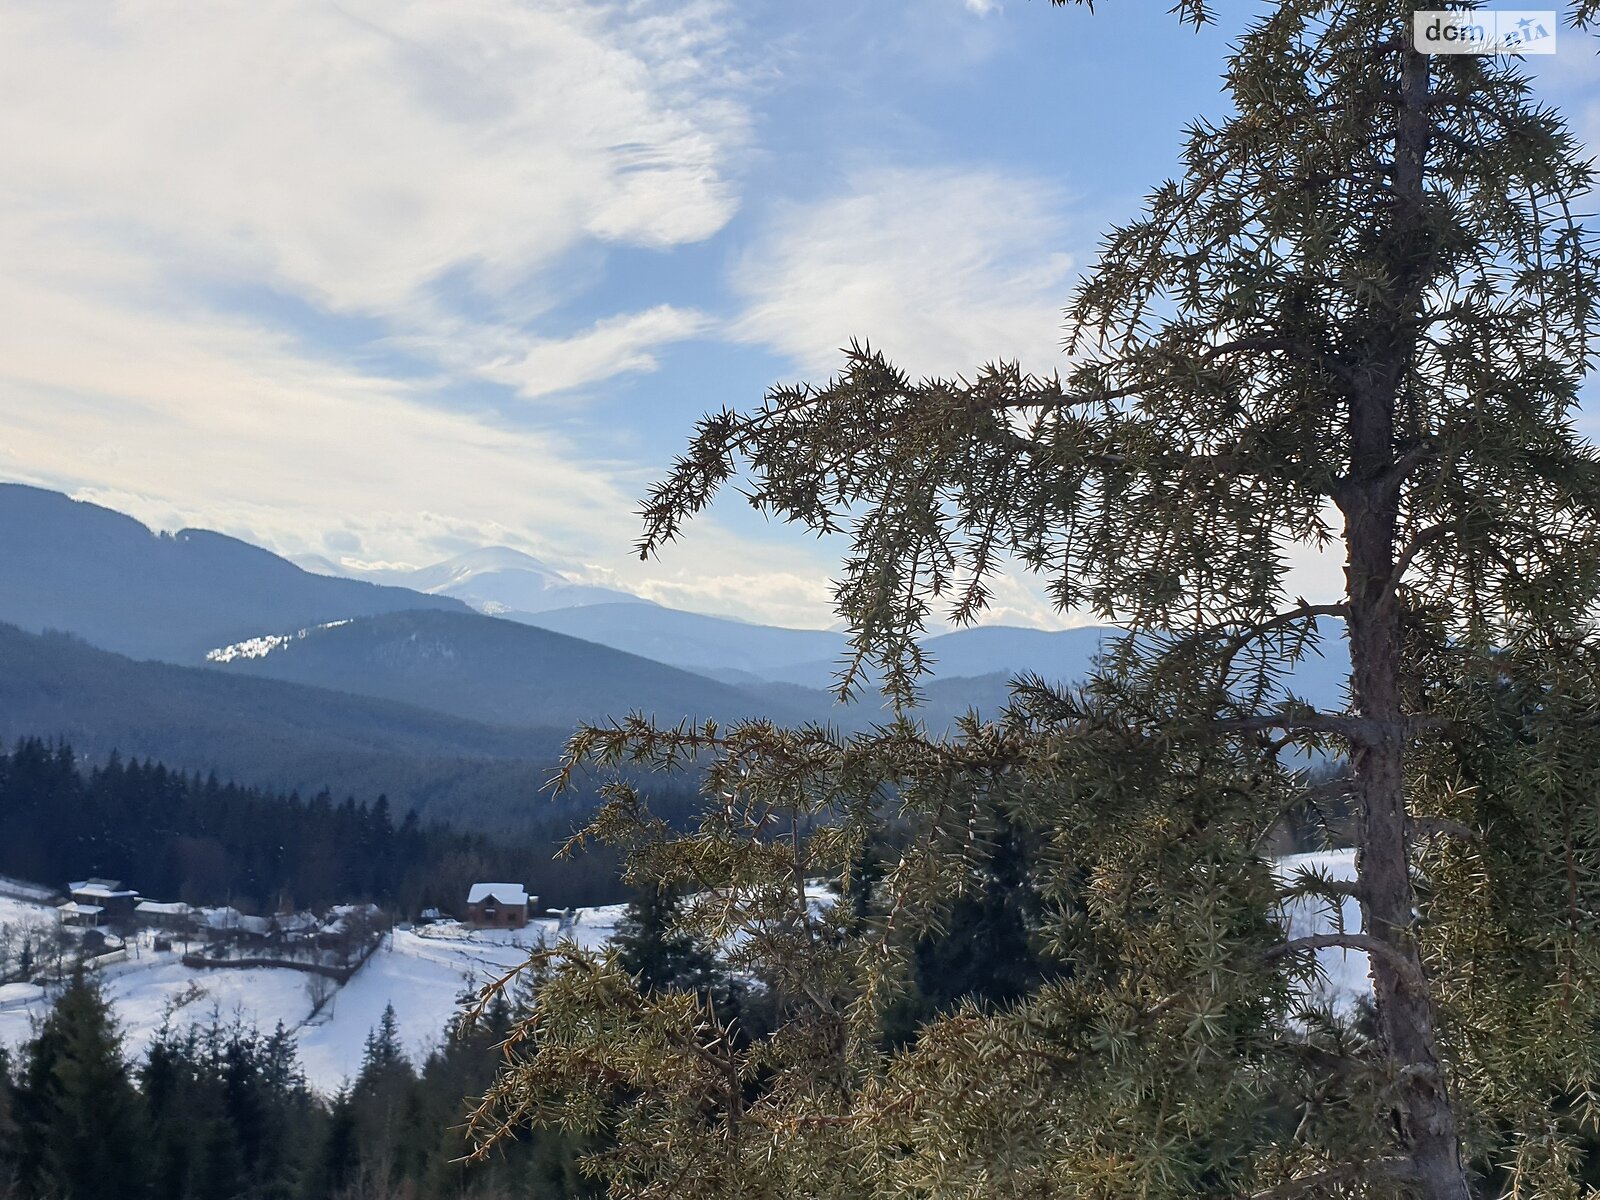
[101,889]
[505,893]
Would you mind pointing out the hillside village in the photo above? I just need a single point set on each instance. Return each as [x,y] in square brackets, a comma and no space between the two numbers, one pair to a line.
[327,975]
[330,976]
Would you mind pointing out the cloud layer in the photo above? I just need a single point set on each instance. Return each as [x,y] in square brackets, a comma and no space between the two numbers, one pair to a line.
[359,277]
[943,269]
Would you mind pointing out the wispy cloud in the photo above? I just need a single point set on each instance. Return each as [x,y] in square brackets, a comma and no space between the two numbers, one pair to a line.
[426,169]
[535,366]
[943,269]
[356,155]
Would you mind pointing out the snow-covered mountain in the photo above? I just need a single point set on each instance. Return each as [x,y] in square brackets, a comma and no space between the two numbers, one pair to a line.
[495,580]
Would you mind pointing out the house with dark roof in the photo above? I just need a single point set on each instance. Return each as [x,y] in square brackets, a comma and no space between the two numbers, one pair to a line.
[115,902]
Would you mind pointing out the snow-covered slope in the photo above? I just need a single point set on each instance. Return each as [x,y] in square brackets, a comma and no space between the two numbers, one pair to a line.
[1344,972]
[423,972]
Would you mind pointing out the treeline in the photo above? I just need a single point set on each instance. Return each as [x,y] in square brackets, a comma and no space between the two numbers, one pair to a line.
[176,836]
[223,1112]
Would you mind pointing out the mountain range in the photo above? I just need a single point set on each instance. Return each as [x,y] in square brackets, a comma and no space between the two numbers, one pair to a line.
[414,682]
[495,580]
[84,569]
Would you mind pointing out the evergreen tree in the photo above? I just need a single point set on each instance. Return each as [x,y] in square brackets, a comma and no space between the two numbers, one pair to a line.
[336,1164]
[1360,316]
[8,1127]
[382,1058]
[80,1120]
[655,949]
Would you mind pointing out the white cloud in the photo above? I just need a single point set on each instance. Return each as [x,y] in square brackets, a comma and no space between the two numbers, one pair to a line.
[353,155]
[538,367]
[982,7]
[943,270]
[186,418]
[429,167]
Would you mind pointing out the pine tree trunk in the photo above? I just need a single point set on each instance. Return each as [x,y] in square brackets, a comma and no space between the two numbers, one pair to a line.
[1370,500]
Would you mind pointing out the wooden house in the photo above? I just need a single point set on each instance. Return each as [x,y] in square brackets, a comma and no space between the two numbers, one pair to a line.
[498,906]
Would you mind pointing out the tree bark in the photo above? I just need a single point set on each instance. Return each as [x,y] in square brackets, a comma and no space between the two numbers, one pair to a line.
[1370,501]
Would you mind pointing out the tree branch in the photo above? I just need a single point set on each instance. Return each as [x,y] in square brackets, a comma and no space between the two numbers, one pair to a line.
[1437,827]
[1365,942]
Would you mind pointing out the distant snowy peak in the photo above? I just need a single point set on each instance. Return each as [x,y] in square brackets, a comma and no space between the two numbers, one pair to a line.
[495,580]
[317,564]
[260,647]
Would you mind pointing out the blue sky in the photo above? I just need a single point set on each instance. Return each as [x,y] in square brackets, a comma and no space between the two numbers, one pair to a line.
[391,280]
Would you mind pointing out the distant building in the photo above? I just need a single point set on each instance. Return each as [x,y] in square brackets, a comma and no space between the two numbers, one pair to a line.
[349,924]
[175,915]
[497,906]
[296,926]
[86,916]
[115,902]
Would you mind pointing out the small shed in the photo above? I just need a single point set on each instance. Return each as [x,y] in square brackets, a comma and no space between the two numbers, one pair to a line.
[498,906]
[86,916]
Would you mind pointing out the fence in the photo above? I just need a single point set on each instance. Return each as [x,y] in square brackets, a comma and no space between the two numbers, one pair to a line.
[339,974]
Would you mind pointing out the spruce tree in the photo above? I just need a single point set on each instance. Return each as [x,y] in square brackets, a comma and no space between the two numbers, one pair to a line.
[8,1127]
[1357,319]
[653,946]
[80,1123]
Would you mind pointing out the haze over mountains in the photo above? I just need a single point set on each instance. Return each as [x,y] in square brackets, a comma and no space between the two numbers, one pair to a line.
[495,580]
[443,686]
[88,570]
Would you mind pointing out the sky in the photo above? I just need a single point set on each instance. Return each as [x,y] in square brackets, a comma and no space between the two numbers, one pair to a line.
[387,280]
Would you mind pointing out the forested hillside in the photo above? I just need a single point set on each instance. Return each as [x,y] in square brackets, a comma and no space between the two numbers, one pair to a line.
[279,736]
[486,669]
[106,577]
[222,1110]
[176,836]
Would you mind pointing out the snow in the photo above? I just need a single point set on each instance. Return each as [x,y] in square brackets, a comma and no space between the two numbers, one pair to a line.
[162,908]
[423,972]
[1344,972]
[17,911]
[101,889]
[18,889]
[506,893]
[260,647]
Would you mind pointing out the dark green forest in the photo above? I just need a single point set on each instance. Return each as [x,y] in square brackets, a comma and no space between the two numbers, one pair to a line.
[222,1112]
[176,836]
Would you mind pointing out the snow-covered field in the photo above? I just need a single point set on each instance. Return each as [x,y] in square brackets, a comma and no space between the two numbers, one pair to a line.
[1344,971]
[425,971]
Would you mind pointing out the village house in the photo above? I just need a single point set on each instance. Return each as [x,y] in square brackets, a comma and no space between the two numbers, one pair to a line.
[115,902]
[173,916]
[498,906]
[86,916]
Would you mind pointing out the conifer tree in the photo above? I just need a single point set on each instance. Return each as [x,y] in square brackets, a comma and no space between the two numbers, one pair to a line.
[1358,319]
[80,1127]
[653,946]
[8,1127]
